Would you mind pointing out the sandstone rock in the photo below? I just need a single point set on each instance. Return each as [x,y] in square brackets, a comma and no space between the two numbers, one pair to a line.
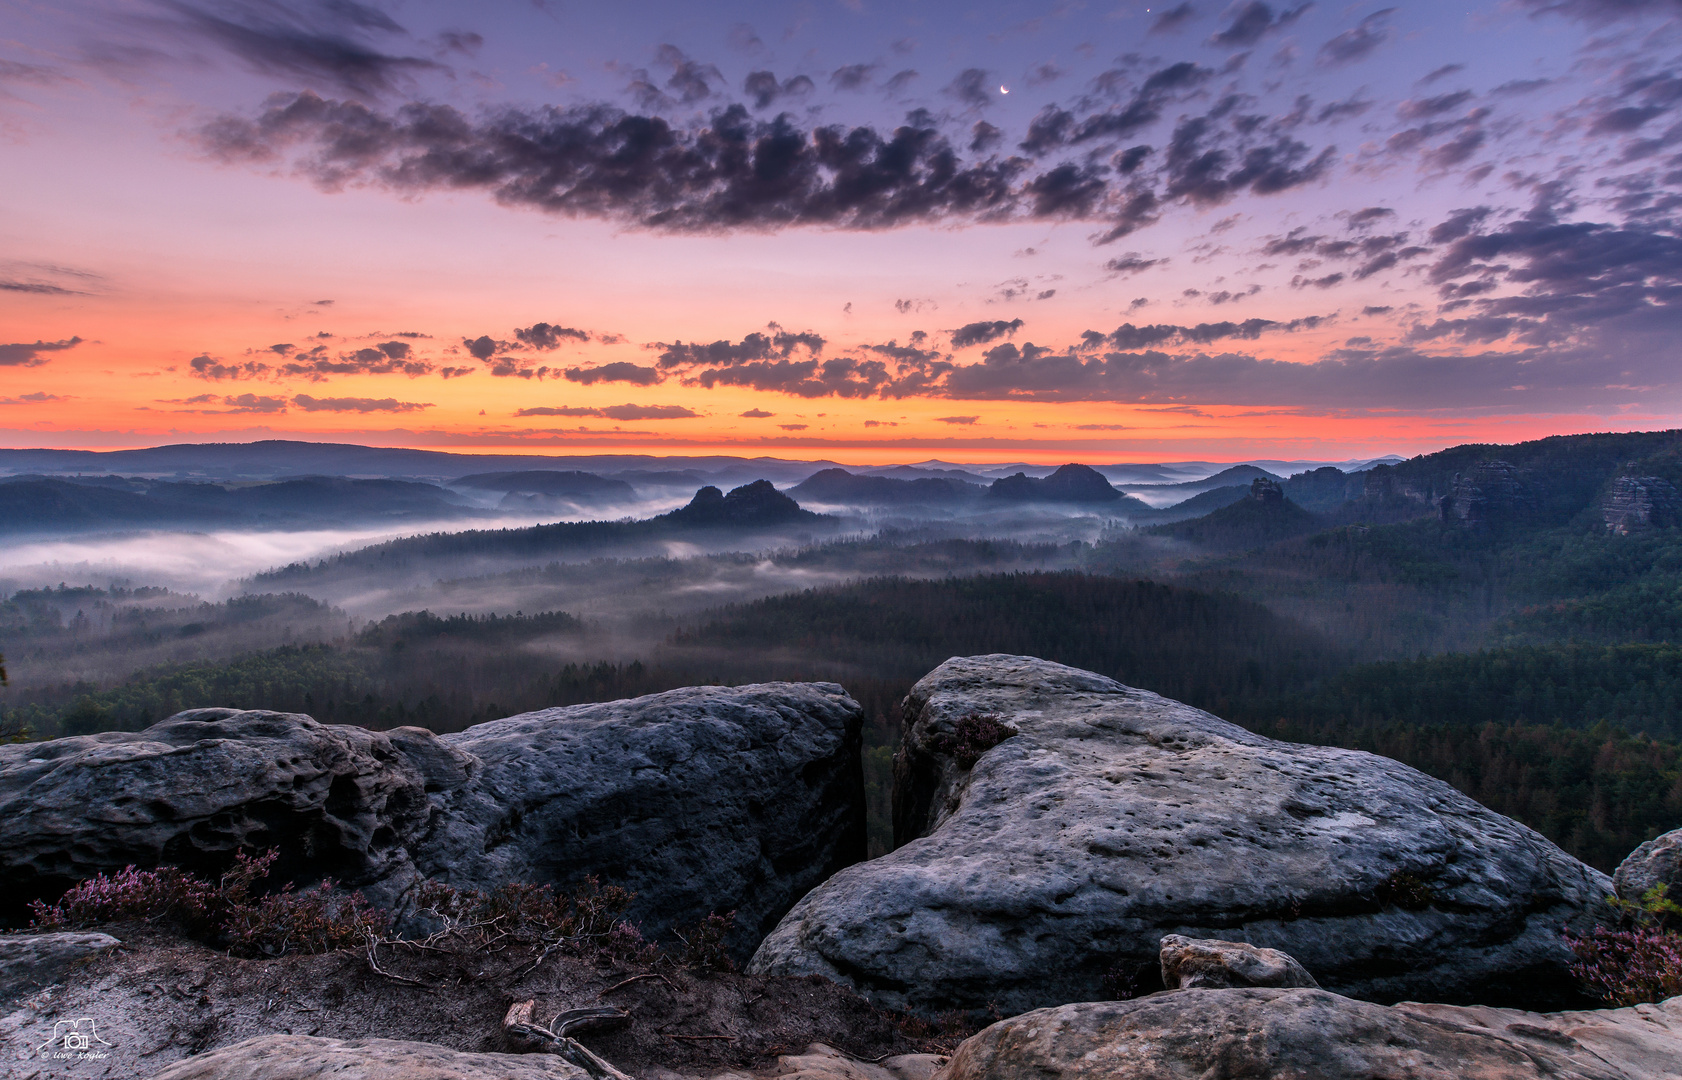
[1489,493]
[1657,862]
[1265,1034]
[301,1057]
[337,801]
[29,962]
[1209,963]
[701,799]
[821,1062]
[1117,816]
[1634,503]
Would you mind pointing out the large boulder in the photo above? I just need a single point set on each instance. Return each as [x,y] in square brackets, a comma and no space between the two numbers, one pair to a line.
[192,790]
[1108,817]
[1213,964]
[1265,1034]
[1656,863]
[702,799]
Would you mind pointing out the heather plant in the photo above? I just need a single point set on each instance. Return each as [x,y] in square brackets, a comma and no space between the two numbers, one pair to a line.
[1639,961]
[586,922]
[703,943]
[972,736]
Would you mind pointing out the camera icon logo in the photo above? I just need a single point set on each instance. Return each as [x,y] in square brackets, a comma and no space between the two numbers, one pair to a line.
[75,1040]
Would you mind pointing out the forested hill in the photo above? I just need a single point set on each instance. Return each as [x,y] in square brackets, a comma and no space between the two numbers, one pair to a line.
[752,509]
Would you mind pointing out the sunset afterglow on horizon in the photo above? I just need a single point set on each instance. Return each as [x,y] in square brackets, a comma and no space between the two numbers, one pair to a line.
[839,229]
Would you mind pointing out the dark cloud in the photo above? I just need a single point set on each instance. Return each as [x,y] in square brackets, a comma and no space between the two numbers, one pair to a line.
[40,288]
[388,358]
[778,344]
[619,371]
[548,335]
[252,403]
[39,397]
[1420,109]
[1359,41]
[690,80]
[1601,11]
[208,367]
[1173,19]
[756,414]
[24,354]
[615,412]
[1131,263]
[973,87]
[1441,73]
[465,42]
[328,42]
[1360,219]
[852,76]
[358,405]
[897,82]
[1044,74]
[980,333]
[962,421]
[765,90]
[1252,21]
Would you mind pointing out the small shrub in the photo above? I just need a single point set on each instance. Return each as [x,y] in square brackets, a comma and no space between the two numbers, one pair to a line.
[972,736]
[703,943]
[1628,967]
[587,922]
[317,920]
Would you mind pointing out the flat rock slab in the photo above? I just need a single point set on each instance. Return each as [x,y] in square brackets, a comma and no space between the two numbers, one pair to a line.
[1116,816]
[1266,1034]
[698,800]
[301,1057]
[30,962]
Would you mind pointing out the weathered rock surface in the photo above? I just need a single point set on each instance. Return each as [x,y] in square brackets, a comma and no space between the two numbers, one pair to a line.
[1657,862]
[701,799]
[1117,816]
[1489,493]
[1634,503]
[821,1062]
[191,790]
[29,962]
[301,1057]
[1212,964]
[1265,1034]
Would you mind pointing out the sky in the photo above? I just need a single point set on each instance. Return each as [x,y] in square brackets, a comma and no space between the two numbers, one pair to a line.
[853,229]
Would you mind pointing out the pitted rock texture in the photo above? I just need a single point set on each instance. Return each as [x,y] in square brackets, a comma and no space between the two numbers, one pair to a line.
[1117,816]
[301,1057]
[1267,1034]
[338,801]
[29,962]
[1212,964]
[1657,862]
[702,799]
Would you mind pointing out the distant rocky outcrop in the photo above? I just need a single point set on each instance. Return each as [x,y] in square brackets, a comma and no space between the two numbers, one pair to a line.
[1114,816]
[1265,1034]
[1634,503]
[1487,494]
[1656,863]
[699,800]
[1069,484]
[1265,490]
[838,486]
[534,486]
[751,505]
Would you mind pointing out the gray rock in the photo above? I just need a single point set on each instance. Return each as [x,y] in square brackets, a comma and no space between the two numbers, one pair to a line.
[702,799]
[1265,1034]
[1212,964]
[1117,816]
[1657,862]
[338,801]
[302,1057]
[29,962]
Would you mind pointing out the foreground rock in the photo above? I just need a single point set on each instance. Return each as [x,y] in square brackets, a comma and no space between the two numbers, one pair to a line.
[338,801]
[1116,816]
[698,800]
[301,1057]
[29,962]
[1264,1034]
[702,799]
[1656,863]
[1212,964]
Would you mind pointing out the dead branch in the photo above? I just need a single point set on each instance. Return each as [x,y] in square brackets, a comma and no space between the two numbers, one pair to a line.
[698,1038]
[593,1018]
[374,966]
[634,978]
[528,1036]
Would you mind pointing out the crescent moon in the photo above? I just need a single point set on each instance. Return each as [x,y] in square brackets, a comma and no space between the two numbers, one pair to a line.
[1004,89]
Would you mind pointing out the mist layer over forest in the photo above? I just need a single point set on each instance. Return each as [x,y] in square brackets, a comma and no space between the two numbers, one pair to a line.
[1504,617]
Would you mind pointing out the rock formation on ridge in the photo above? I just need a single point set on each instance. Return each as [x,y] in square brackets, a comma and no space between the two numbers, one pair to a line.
[1116,816]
